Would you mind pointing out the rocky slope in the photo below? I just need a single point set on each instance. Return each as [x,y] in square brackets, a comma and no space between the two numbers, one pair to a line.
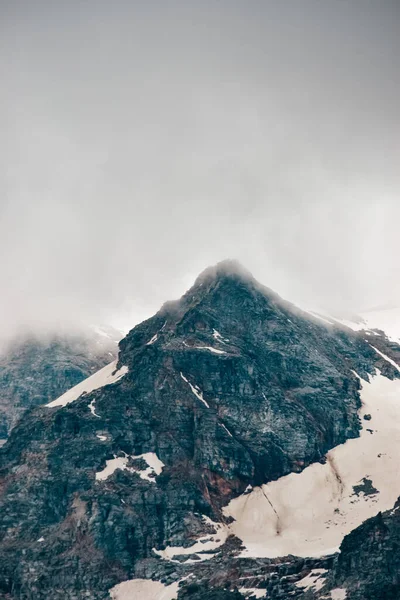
[34,371]
[368,566]
[126,491]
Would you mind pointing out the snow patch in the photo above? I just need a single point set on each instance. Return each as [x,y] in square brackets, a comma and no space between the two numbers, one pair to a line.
[389,360]
[153,339]
[155,466]
[257,592]
[102,438]
[118,462]
[196,391]
[217,336]
[92,409]
[206,542]
[210,349]
[309,513]
[227,430]
[387,320]
[313,580]
[144,589]
[339,594]
[106,376]
[41,539]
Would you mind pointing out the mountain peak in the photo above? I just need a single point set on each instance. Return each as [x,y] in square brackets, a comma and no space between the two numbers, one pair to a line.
[231,268]
[164,466]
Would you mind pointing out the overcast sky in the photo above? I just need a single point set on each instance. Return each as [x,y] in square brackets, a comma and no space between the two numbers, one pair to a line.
[142,141]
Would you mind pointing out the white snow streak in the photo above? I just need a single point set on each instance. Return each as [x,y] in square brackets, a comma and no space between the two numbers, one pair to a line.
[227,430]
[196,391]
[211,349]
[217,336]
[309,513]
[105,376]
[103,438]
[92,409]
[153,339]
[389,360]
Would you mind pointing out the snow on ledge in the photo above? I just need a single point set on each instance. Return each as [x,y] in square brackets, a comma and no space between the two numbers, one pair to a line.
[389,360]
[153,339]
[144,589]
[339,594]
[105,376]
[118,462]
[253,592]
[155,466]
[205,543]
[226,429]
[217,336]
[314,580]
[92,409]
[210,349]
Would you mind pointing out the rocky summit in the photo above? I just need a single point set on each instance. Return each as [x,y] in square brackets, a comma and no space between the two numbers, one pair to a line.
[228,452]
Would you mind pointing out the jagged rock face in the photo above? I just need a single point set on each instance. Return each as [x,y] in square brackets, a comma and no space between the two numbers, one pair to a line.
[368,565]
[35,371]
[230,386]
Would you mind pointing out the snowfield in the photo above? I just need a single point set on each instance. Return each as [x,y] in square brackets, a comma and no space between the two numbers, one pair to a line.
[387,320]
[309,513]
[144,589]
[105,376]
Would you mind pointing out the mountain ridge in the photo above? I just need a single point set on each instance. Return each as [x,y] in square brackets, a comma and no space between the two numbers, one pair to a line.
[228,389]
[36,369]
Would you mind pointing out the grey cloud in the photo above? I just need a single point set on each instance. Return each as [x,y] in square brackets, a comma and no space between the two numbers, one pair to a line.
[144,141]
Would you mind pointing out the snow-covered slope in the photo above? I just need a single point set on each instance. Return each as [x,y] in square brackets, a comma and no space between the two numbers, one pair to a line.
[36,370]
[308,514]
[105,376]
[385,319]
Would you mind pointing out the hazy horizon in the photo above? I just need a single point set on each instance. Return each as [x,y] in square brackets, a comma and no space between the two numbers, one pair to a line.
[143,142]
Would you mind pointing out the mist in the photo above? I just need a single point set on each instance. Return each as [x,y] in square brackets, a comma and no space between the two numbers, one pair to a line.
[143,141]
